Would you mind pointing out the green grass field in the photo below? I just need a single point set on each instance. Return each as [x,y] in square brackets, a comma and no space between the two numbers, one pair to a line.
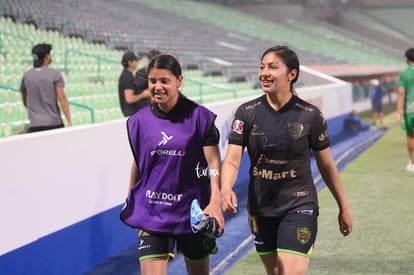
[380,193]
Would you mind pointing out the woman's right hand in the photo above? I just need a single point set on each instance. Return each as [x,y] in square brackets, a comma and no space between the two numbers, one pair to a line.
[229,201]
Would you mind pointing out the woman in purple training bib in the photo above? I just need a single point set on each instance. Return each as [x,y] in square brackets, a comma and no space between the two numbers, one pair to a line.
[176,159]
[279,129]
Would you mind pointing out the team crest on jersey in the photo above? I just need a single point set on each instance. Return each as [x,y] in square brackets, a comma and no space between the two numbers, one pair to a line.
[237,126]
[303,235]
[295,129]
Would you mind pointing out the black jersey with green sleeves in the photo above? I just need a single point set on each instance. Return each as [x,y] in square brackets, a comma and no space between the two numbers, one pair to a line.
[278,144]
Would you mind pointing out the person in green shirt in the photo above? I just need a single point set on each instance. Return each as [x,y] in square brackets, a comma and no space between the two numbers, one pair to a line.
[405,105]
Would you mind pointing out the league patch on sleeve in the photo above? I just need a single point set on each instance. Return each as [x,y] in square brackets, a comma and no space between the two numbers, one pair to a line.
[237,126]
[323,136]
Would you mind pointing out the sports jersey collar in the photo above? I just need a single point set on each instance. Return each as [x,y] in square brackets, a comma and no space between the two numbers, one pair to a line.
[179,108]
[284,107]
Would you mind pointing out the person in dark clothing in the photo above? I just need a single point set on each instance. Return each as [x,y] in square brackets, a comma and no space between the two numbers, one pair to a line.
[130,99]
[376,101]
[279,129]
[141,76]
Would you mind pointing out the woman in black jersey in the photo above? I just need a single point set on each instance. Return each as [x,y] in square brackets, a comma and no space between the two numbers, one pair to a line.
[279,129]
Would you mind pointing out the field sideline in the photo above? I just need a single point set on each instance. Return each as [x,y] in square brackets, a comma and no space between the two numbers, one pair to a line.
[380,193]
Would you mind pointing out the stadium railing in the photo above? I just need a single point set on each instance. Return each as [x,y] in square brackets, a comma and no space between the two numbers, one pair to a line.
[202,85]
[400,19]
[13,115]
[99,60]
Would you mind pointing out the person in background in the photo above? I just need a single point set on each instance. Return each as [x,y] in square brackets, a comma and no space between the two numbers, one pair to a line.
[405,105]
[279,129]
[141,76]
[376,101]
[130,99]
[42,87]
[174,143]
[354,122]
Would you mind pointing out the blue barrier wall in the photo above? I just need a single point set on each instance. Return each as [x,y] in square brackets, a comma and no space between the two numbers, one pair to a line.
[72,250]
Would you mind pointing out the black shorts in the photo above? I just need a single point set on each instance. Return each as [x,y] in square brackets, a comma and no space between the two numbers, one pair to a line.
[195,246]
[44,128]
[377,107]
[293,233]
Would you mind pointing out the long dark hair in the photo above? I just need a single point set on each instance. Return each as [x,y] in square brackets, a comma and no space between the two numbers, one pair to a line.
[288,57]
[39,53]
[167,62]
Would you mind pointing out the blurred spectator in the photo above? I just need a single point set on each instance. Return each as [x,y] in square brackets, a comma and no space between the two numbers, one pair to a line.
[376,101]
[354,122]
[389,86]
[129,98]
[42,87]
[405,105]
[141,77]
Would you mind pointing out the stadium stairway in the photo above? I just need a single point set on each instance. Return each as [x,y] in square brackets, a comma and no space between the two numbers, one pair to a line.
[236,241]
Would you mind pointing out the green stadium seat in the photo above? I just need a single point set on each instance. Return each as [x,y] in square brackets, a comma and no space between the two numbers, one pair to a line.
[5,130]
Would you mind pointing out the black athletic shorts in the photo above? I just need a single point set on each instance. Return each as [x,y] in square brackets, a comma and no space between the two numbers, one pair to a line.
[293,233]
[377,107]
[195,246]
[44,128]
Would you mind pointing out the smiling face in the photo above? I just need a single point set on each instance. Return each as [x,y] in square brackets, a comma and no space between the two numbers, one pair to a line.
[274,75]
[164,87]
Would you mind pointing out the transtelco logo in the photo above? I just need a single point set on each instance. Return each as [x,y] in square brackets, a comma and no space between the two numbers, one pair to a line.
[165,139]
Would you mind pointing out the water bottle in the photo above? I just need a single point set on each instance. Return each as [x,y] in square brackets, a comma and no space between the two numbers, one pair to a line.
[203,223]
